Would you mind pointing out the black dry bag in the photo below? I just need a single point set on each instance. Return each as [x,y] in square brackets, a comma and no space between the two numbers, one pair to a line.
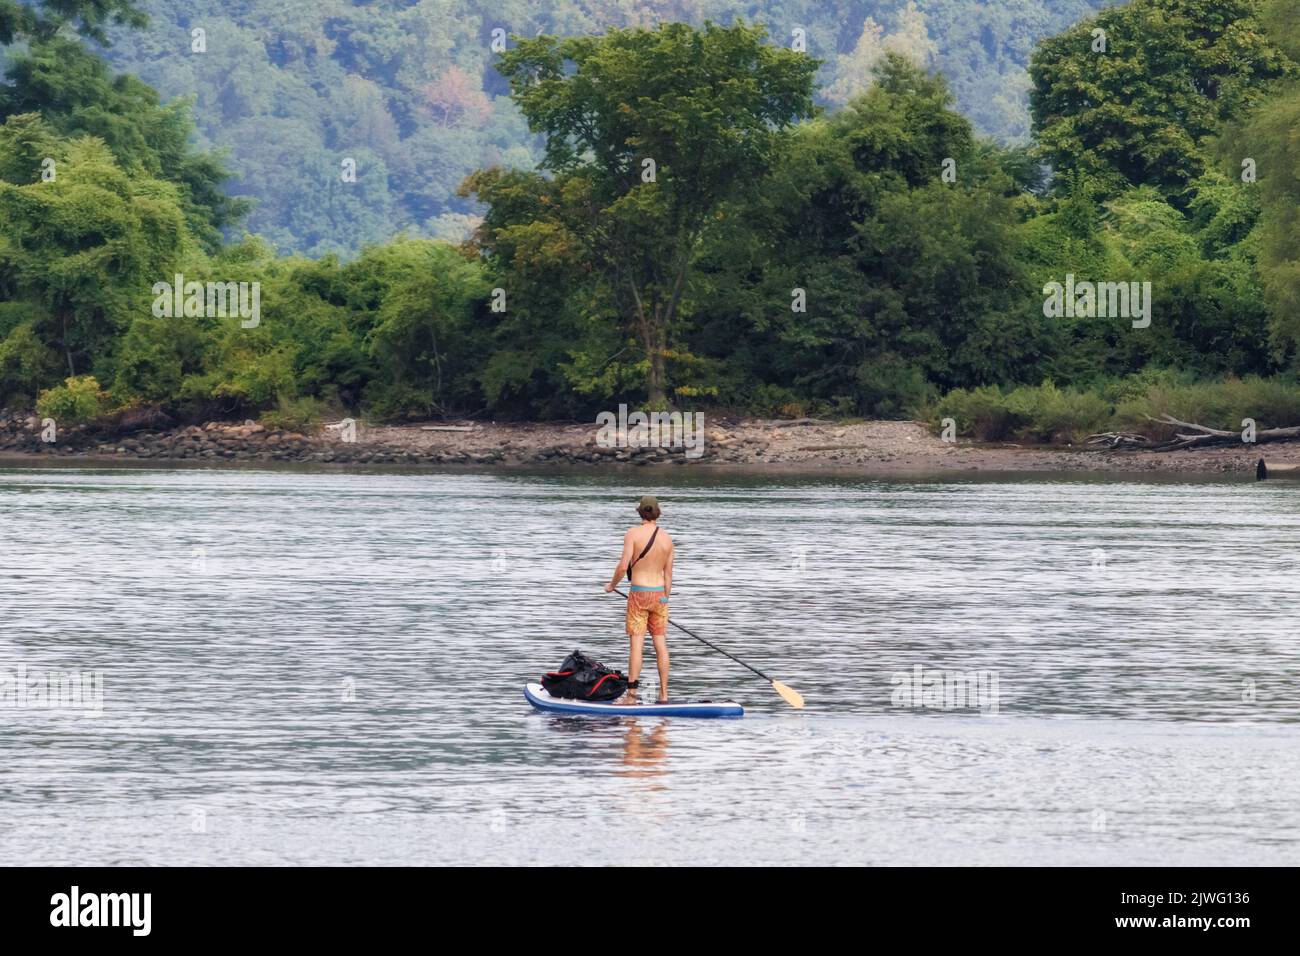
[581,678]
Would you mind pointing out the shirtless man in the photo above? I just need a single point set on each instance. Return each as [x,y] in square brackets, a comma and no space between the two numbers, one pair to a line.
[647,599]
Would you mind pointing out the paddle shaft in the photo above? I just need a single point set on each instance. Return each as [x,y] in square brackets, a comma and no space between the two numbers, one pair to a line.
[711,644]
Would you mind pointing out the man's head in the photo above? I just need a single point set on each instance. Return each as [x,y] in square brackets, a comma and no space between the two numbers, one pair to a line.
[648,509]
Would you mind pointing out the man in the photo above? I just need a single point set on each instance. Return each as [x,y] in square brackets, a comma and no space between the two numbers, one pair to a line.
[648,561]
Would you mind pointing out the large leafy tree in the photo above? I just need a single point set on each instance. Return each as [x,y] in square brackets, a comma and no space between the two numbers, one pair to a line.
[555,346]
[1141,112]
[648,134]
[76,94]
[911,282]
[85,247]
[1270,139]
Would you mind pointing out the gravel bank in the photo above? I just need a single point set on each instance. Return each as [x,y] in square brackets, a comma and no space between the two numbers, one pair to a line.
[876,447]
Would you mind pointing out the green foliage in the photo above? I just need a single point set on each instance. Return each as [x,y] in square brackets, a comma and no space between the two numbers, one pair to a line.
[1046,413]
[424,299]
[1140,113]
[1271,135]
[77,400]
[649,133]
[981,412]
[74,93]
[26,365]
[42,19]
[409,89]
[1041,413]
[781,260]
[911,282]
[1272,403]
[293,414]
[84,246]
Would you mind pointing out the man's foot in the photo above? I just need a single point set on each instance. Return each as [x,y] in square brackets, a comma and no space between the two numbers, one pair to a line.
[662,700]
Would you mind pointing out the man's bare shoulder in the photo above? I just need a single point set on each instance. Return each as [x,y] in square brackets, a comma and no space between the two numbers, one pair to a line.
[663,534]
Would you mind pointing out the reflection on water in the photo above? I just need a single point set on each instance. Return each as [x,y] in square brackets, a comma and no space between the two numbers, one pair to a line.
[302,667]
[644,748]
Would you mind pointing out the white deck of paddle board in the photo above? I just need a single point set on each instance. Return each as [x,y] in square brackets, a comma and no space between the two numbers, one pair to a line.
[695,708]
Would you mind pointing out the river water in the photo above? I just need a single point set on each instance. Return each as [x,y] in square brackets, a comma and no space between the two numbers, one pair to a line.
[326,668]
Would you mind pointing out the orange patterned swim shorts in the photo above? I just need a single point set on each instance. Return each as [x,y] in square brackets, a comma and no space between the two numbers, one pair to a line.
[646,608]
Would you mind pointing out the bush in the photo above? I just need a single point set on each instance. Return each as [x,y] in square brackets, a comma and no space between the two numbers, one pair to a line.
[1041,413]
[76,401]
[26,364]
[293,414]
[1052,415]
[1046,413]
[982,413]
[1272,403]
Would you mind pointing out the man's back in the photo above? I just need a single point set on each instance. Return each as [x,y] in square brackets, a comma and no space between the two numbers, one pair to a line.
[649,571]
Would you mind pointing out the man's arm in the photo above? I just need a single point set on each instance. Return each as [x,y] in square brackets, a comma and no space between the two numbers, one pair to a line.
[668,570]
[622,563]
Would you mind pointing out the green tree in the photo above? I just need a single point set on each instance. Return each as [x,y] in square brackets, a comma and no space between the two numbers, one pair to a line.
[909,281]
[1140,112]
[648,134]
[73,90]
[86,246]
[554,339]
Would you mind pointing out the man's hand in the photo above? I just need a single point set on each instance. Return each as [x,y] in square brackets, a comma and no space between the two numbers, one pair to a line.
[608,588]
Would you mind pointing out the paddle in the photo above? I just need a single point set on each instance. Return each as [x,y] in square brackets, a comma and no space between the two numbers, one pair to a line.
[788,694]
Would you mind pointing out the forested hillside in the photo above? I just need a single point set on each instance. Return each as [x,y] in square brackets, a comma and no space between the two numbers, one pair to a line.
[695,222]
[408,89]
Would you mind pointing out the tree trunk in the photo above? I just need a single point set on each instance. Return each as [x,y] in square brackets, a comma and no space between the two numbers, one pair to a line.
[72,372]
[656,383]
[650,328]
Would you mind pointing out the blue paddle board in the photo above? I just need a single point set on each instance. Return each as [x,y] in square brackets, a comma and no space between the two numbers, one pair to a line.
[539,698]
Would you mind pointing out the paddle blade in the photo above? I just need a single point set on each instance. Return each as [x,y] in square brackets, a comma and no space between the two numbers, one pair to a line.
[788,694]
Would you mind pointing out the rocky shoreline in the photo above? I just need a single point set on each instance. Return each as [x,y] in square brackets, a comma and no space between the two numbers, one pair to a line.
[876,447]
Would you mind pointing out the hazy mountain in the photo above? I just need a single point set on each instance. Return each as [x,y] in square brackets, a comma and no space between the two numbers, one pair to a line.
[293,89]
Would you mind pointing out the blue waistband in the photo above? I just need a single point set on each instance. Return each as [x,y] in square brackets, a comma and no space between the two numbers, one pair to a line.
[637,587]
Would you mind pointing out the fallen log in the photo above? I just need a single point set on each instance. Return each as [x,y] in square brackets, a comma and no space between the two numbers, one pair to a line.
[830,447]
[1118,440]
[1170,420]
[790,422]
[1205,436]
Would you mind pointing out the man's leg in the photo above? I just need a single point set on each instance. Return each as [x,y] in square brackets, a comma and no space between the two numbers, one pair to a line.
[636,628]
[661,661]
[634,657]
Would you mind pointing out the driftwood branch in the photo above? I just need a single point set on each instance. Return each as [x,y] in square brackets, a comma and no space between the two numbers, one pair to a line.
[1202,437]
[789,422]
[830,447]
[1119,440]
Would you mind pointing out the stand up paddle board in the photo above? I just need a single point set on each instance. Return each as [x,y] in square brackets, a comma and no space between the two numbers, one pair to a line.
[539,698]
